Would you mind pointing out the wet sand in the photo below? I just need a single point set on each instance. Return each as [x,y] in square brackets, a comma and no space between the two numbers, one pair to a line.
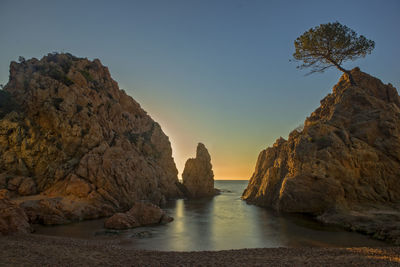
[38,250]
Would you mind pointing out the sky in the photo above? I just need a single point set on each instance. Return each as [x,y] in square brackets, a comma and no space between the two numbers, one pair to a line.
[216,72]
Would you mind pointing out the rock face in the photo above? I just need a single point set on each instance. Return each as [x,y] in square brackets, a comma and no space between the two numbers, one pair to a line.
[198,177]
[140,214]
[379,221]
[347,155]
[12,218]
[17,185]
[68,133]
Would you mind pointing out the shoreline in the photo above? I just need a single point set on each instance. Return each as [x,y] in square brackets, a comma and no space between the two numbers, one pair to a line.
[40,250]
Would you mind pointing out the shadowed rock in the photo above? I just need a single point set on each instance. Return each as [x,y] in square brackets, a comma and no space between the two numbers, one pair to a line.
[140,214]
[12,218]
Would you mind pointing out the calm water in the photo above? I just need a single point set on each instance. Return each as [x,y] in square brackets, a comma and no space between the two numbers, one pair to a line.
[224,222]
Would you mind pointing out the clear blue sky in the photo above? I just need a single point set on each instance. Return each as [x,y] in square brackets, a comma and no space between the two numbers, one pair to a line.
[211,71]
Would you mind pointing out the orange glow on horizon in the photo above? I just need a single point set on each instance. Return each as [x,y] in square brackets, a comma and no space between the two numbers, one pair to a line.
[230,162]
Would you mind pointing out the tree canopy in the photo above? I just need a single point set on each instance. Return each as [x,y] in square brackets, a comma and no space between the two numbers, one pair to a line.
[329,45]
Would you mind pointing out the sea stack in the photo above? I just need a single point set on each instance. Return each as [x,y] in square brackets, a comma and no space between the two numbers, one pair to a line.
[344,165]
[74,146]
[198,177]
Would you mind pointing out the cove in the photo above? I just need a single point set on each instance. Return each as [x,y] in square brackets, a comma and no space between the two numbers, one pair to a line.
[219,223]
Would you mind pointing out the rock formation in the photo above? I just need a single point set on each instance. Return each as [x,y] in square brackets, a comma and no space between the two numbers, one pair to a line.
[346,159]
[12,218]
[198,177]
[74,146]
[140,214]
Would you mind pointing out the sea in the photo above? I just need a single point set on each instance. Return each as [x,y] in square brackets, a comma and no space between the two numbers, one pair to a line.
[220,223]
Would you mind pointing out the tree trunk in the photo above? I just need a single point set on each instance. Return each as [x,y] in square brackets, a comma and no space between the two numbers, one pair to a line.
[348,74]
[344,71]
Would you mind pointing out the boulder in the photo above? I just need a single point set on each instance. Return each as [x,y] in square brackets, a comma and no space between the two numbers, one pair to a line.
[56,210]
[27,187]
[12,218]
[120,221]
[198,176]
[141,214]
[14,183]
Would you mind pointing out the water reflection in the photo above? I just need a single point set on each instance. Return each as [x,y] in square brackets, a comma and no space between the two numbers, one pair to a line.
[223,222]
[192,225]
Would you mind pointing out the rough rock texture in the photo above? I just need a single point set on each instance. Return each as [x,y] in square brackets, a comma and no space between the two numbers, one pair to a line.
[197,176]
[347,155]
[379,221]
[120,221]
[12,218]
[61,210]
[68,133]
[17,185]
[140,214]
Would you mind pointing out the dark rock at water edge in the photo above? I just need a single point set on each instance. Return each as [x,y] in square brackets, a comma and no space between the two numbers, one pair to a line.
[141,214]
[345,160]
[198,176]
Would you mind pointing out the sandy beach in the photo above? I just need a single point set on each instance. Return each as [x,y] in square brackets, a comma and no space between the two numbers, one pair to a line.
[37,250]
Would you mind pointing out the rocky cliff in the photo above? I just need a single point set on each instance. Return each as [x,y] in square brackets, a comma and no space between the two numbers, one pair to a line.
[197,176]
[74,146]
[346,160]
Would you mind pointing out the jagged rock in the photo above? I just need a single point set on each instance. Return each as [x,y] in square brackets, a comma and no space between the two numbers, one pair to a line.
[197,176]
[347,155]
[14,183]
[12,218]
[61,210]
[17,185]
[66,125]
[140,214]
[27,187]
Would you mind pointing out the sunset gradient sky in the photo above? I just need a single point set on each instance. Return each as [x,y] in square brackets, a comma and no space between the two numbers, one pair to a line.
[216,72]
